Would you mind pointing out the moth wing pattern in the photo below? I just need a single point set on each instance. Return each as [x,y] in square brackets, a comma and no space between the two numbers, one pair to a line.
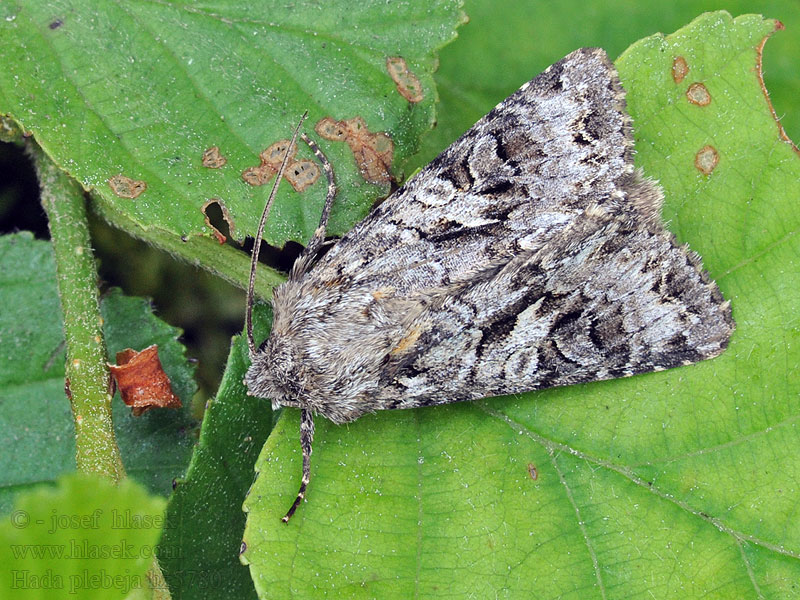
[523,171]
[531,253]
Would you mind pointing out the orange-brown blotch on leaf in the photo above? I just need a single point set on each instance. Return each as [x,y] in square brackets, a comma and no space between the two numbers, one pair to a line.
[299,173]
[706,159]
[213,159]
[273,155]
[125,187]
[372,151]
[698,94]
[407,83]
[680,69]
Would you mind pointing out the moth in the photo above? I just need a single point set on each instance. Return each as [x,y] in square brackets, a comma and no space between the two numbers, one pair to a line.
[529,254]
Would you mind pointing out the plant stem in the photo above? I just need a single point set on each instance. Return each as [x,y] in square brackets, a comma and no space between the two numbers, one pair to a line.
[87,378]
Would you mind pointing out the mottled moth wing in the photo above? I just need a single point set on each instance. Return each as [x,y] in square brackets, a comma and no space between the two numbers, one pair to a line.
[520,175]
[529,254]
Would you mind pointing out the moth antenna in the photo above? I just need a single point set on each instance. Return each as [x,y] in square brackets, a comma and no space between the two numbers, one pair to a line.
[319,233]
[306,439]
[248,315]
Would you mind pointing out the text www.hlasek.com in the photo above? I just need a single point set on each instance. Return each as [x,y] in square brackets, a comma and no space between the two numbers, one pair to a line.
[76,550]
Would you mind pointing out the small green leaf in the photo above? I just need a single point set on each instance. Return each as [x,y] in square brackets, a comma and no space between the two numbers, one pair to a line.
[86,538]
[672,485]
[199,550]
[36,428]
[143,89]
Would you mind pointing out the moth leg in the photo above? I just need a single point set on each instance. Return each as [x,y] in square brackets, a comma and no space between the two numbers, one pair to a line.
[319,233]
[306,439]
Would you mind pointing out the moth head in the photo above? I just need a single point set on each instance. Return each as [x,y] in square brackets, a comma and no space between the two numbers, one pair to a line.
[276,373]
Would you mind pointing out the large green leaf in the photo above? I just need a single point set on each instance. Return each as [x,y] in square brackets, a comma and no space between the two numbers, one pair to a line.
[500,49]
[36,429]
[676,484]
[143,89]
[199,550]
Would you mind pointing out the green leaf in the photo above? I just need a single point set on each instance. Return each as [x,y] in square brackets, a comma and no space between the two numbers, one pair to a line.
[672,485]
[36,428]
[500,52]
[199,550]
[86,538]
[143,89]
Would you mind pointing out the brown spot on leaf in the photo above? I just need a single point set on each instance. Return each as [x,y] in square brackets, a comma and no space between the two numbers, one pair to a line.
[258,175]
[273,155]
[213,159]
[698,94]
[532,472]
[219,220]
[372,151]
[679,69]
[142,382]
[125,187]
[302,174]
[331,130]
[706,159]
[299,173]
[375,158]
[407,83]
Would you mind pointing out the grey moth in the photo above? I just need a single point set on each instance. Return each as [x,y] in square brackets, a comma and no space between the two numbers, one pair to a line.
[529,254]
